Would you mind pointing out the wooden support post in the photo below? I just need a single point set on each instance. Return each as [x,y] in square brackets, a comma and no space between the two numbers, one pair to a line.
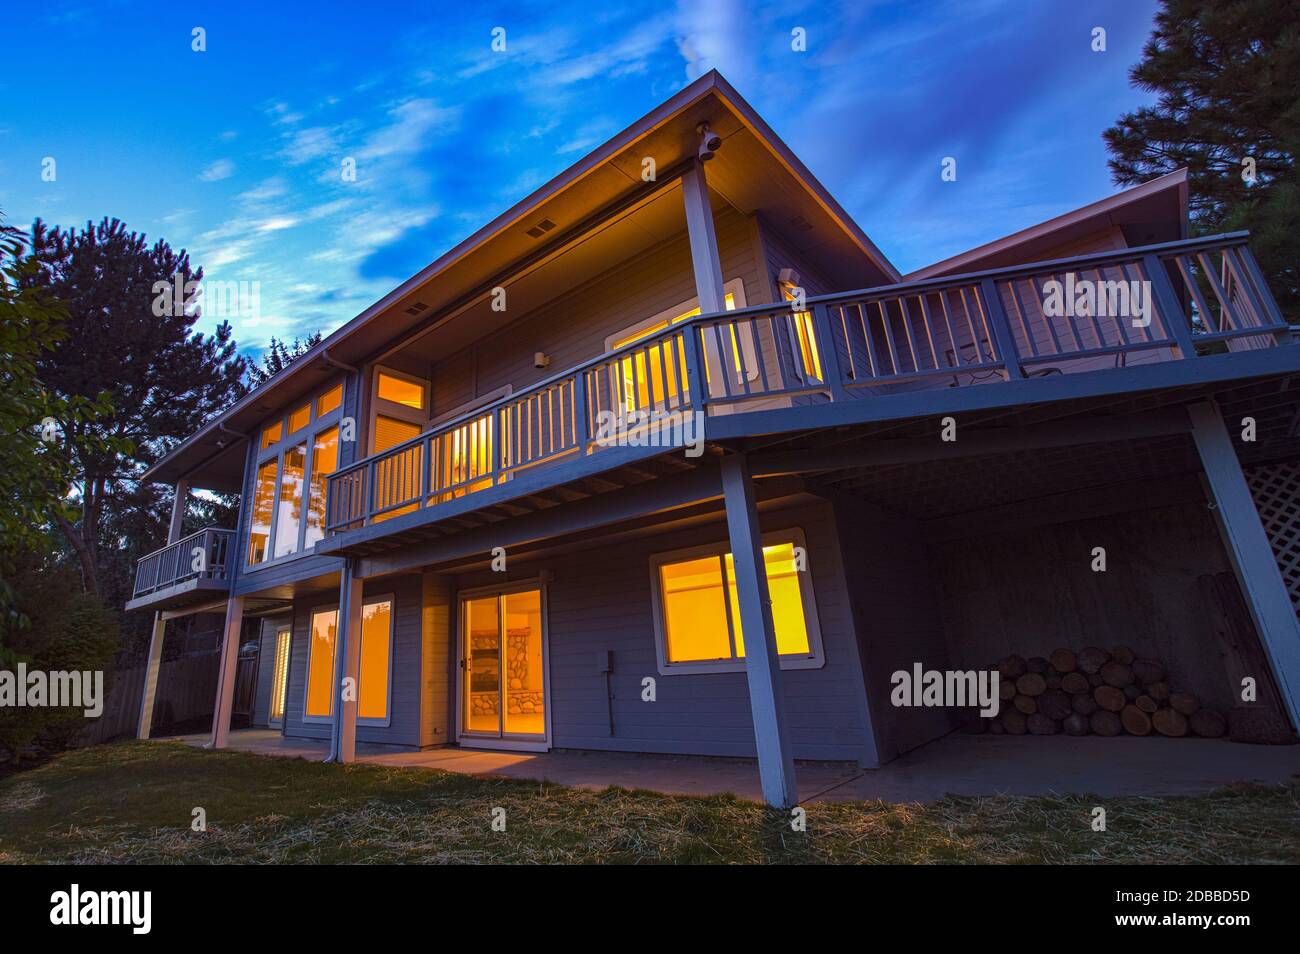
[226,672]
[704,243]
[347,664]
[1252,556]
[708,283]
[762,665]
[154,661]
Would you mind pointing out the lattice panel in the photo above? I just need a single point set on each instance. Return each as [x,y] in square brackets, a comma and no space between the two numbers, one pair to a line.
[1276,489]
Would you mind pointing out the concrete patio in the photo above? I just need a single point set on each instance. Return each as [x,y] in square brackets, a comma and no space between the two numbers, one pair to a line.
[957,765]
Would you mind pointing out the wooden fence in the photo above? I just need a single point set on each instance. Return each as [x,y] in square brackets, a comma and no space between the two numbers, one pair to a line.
[187,688]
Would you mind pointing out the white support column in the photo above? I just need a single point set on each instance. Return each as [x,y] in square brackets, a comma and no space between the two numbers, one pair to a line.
[1252,556]
[704,243]
[347,663]
[226,674]
[762,665]
[154,661]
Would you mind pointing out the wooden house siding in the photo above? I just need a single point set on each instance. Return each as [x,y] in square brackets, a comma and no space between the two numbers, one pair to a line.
[405,687]
[437,660]
[601,600]
[575,326]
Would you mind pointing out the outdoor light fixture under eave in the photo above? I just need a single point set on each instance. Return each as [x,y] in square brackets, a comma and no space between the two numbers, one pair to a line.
[710,142]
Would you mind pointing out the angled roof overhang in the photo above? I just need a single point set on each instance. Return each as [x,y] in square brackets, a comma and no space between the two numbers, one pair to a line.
[753,171]
[1147,214]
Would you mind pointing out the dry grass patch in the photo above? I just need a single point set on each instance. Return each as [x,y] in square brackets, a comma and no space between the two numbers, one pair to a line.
[132,803]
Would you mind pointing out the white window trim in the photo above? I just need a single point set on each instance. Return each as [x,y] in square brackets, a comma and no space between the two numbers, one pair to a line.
[391,600]
[735,288]
[306,686]
[287,442]
[282,629]
[521,743]
[472,405]
[816,658]
[392,409]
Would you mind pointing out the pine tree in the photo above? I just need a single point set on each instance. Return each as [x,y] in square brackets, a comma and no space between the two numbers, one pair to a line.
[278,356]
[163,378]
[1227,79]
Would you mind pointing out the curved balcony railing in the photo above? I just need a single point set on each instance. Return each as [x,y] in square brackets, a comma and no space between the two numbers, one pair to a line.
[1113,309]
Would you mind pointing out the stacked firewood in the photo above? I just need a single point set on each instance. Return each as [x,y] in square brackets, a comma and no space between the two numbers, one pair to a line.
[1099,693]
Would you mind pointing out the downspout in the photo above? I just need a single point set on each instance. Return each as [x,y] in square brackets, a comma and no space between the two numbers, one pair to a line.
[325,356]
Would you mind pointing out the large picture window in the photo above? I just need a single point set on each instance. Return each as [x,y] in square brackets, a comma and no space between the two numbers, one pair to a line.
[374,671]
[296,452]
[697,612]
[319,704]
[376,661]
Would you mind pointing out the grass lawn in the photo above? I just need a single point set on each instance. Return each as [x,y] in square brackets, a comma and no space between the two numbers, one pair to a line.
[132,802]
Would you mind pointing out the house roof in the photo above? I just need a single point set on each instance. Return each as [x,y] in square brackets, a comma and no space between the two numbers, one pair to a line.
[755,172]
[1149,213]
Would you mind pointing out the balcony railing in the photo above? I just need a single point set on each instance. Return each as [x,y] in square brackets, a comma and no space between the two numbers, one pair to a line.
[201,555]
[1122,308]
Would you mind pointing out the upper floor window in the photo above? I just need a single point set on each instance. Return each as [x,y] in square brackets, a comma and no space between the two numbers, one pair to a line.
[651,379]
[295,454]
[401,389]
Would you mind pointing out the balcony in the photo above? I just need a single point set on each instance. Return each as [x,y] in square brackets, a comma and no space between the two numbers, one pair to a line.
[882,352]
[185,573]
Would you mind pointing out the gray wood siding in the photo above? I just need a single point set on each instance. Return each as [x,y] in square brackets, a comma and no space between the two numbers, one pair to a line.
[404,691]
[896,609]
[600,599]
[435,662]
[573,327]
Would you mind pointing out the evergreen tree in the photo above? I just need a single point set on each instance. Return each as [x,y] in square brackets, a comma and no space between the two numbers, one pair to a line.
[125,337]
[278,356]
[1227,79]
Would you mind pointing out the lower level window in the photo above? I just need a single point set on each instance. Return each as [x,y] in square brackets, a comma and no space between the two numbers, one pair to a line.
[374,668]
[697,611]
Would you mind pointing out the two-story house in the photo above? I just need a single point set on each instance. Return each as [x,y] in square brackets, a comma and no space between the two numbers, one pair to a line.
[669,458]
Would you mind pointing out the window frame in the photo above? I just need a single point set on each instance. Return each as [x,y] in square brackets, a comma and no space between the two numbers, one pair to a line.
[735,288]
[280,686]
[816,657]
[391,599]
[306,683]
[286,443]
[381,407]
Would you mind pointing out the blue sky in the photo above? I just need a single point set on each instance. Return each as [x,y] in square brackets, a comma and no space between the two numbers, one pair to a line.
[235,153]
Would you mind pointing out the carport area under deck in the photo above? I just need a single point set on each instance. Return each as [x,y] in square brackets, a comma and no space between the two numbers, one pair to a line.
[957,765]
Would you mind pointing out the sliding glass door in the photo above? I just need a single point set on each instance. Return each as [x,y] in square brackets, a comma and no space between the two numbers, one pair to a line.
[503,653]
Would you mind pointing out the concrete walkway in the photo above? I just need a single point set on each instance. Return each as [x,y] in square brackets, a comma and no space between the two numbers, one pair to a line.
[957,764]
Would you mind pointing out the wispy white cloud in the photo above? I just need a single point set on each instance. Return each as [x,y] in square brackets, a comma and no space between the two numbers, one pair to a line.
[216,171]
